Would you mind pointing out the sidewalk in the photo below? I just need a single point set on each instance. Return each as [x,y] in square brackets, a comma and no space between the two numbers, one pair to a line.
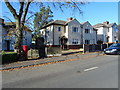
[28,63]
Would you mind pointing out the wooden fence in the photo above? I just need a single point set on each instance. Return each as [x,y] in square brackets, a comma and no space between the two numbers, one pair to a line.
[95,47]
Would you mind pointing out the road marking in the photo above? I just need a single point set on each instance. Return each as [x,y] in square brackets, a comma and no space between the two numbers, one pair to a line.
[90,69]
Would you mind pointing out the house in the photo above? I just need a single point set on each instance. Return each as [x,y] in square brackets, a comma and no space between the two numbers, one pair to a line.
[118,33]
[7,37]
[107,33]
[68,33]
[89,34]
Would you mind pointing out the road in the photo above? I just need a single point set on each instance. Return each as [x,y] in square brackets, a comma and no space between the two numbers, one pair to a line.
[98,72]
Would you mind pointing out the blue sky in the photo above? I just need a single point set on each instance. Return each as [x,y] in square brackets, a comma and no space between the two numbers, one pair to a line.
[94,12]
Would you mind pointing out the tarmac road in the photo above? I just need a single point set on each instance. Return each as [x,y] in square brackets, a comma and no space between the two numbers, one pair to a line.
[97,72]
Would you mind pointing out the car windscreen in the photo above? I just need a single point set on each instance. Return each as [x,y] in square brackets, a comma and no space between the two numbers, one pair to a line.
[115,45]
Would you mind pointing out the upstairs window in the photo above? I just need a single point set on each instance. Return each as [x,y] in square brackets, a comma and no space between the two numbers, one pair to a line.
[59,29]
[75,41]
[87,30]
[74,29]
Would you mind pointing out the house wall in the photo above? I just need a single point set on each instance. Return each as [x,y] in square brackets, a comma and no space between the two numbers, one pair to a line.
[58,34]
[113,33]
[73,35]
[50,35]
[102,31]
[100,37]
[66,33]
[89,36]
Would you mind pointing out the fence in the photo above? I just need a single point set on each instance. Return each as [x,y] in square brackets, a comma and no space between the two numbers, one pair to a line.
[95,47]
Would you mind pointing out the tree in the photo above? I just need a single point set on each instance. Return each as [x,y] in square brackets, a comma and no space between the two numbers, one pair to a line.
[20,20]
[20,16]
[41,19]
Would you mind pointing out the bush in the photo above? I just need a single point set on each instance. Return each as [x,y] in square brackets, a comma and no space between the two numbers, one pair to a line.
[54,50]
[8,57]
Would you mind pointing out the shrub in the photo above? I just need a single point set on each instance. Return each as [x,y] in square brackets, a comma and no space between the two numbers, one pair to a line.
[8,57]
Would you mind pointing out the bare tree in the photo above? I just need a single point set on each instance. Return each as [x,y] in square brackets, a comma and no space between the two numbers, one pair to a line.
[20,16]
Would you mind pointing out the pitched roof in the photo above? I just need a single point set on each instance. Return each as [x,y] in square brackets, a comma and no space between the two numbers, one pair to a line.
[110,25]
[13,24]
[99,25]
[83,22]
[103,25]
[57,22]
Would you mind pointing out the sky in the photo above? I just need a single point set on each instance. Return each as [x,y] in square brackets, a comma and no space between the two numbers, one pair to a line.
[94,12]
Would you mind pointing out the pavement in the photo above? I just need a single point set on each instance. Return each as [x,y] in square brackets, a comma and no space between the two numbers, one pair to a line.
[67,56]
[98,72]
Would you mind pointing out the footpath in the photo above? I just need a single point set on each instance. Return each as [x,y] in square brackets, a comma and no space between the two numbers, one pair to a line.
[67,56]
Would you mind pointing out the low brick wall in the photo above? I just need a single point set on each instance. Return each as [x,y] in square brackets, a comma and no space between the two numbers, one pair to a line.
[75,46]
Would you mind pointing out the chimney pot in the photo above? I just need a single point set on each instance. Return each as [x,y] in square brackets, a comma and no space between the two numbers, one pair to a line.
[69,19]
[107,22]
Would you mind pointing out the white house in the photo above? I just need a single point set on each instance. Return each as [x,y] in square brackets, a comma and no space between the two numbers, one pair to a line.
[7,39]
[106,32]
[69,33]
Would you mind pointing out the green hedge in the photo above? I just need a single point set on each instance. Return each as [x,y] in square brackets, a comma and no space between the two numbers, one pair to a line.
[54,50]
[8,57]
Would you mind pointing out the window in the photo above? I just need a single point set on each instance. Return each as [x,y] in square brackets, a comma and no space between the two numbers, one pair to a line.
[75,41]
[74,29]
[87,30]
[48,33]
[87,41]
[59,29]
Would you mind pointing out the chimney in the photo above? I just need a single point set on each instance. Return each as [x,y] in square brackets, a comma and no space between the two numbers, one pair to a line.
[107,22]
[69,19]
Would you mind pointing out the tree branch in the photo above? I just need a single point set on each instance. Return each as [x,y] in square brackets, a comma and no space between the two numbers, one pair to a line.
[12,10]
[25,11]
[29,17]
[21,8]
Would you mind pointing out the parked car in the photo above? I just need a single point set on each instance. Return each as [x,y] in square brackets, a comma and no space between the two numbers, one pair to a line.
[113,49]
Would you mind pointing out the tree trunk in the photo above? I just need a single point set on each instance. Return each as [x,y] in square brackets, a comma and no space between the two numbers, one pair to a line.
[18,41]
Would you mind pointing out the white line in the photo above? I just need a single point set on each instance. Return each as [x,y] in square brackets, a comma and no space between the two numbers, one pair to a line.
[90,69]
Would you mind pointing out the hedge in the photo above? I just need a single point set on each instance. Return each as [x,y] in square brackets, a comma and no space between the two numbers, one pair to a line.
[54,50]
[8,57]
